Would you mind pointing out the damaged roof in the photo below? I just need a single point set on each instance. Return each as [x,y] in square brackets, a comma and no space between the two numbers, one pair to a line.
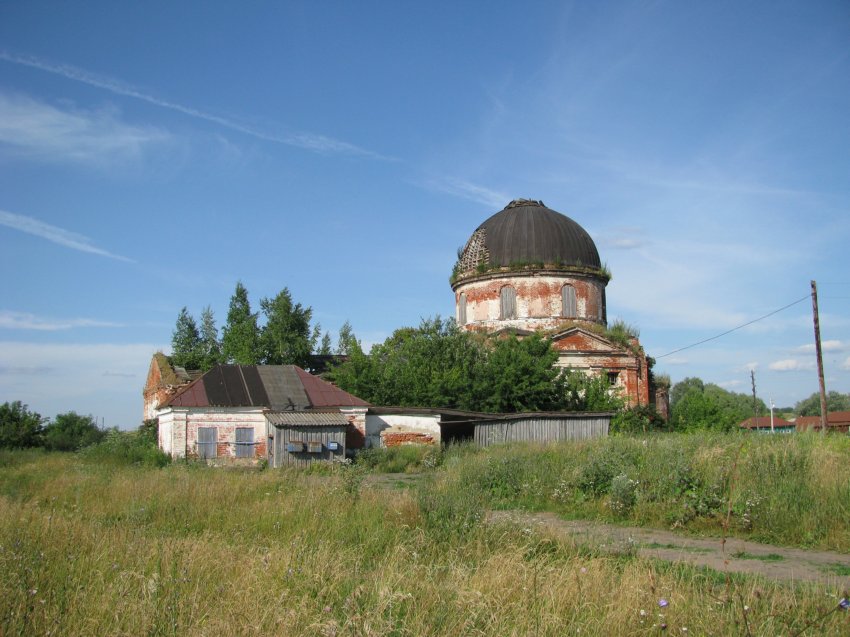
[277,387]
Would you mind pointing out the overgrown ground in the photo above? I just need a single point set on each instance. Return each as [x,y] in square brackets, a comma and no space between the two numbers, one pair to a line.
[90,547]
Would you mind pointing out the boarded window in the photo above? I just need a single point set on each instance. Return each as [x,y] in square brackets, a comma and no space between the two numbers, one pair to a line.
[508,302]
[568,302]
[244,442]
[207,442]
[461,309]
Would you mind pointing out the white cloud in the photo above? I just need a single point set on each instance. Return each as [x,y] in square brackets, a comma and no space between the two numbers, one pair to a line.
[54,234]
[468,190]
[826,346]
[790,365]
[846,363]
[727,384]
[34,129]
[305,140]
[23,321]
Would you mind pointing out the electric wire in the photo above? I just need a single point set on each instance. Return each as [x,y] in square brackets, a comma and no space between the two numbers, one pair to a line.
[734,329]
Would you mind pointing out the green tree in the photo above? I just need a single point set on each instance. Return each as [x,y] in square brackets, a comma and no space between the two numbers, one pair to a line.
[19,427]
[286,338]
[579,391]
[240,342]
[810,406]
[325,348]
[71,432]
[186,350]
[347,341]
[519,375]
[699,405]
[209,343]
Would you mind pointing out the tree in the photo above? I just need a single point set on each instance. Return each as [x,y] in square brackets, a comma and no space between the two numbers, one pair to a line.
[19,427]
[439,365]
[209,343]
[810,406]
[71,432]
[696,405]
[519,375]
[346,342]
[286,338]
[240,342]
[579,391]
[326,349]
[186,350]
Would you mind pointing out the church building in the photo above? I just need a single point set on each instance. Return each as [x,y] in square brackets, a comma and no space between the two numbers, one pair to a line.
[531,269]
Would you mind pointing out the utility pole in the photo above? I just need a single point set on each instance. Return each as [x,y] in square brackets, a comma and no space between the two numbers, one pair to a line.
[823,415]
[755,403]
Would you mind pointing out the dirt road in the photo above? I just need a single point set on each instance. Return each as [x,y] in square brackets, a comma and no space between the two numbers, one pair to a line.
[737,556]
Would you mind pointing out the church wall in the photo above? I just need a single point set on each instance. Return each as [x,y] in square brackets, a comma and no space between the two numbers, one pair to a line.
[538,301]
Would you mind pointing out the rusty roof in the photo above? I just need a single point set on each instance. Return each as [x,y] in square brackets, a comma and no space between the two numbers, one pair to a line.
[278,387]
[307,419]
[763,422]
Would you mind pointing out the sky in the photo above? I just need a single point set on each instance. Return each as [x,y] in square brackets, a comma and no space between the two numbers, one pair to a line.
[153,154]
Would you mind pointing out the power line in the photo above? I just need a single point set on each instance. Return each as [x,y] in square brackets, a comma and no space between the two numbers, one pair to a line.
[761,318]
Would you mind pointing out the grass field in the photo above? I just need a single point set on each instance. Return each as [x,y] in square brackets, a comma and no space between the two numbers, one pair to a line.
[96,548]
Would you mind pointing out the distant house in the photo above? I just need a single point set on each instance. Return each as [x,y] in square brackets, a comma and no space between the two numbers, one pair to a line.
[836,422]
[244,413]
[763,425]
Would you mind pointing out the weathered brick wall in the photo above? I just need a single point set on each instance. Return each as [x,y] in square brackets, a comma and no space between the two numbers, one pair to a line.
[392,438]
[538,301]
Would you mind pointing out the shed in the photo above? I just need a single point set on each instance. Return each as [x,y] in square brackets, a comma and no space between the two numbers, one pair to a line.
[298,438]
[540,427]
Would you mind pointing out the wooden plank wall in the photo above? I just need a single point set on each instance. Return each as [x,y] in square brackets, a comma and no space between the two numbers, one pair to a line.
[286,434]
[536,429]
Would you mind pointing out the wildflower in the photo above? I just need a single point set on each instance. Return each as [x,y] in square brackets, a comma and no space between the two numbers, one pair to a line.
[663,627]
[663,603]
[746,608]
[844,604]
[583,569]
[642,613]
[684,629]
[33,591]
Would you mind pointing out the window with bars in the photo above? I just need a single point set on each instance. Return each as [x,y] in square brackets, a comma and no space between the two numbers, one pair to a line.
[568,301]
[461,309]
[244,442]
[207,442]
[507,299]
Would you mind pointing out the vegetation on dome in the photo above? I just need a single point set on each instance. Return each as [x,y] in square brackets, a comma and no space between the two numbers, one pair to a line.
[603,272]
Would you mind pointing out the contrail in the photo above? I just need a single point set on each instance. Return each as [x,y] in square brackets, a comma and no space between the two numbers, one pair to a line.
[55,234]
[307,141]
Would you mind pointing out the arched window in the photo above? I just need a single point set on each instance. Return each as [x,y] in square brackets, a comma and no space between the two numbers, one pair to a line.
[461,309]
[568,301]
[507,299]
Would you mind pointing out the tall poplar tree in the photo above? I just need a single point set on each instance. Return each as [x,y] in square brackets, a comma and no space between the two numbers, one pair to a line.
[186,348]
[240,342]
[210,345]
[286,337]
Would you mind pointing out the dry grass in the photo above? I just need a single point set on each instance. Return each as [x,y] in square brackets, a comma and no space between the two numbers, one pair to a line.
[88,550]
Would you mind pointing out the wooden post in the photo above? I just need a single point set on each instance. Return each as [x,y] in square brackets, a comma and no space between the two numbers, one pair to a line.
[755,401]
[823,414]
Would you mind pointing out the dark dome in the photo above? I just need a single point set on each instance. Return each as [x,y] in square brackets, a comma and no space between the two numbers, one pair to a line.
[527,231]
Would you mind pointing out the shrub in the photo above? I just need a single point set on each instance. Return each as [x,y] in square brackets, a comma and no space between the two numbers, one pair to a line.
[623,494]
[127,448]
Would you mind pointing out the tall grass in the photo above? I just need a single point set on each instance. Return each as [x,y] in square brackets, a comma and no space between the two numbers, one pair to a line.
[95,549]
[791,490]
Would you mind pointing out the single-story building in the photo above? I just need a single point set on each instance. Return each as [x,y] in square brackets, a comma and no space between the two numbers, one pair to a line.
[836,422]
[766,424]
[245,413]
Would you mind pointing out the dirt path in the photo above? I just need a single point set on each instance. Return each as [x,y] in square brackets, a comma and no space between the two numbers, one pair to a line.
[739,556]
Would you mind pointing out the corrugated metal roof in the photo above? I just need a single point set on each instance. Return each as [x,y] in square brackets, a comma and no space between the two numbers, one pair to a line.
[323,394]
[306,418]
[278,387]
[283,387]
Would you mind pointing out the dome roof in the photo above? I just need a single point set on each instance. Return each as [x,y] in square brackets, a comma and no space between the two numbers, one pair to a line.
[526,231]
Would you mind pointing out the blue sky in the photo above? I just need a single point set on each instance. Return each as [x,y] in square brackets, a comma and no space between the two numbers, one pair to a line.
[152,154]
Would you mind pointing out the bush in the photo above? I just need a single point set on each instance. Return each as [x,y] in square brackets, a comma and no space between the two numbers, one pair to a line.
[126,448]
[71,432]
[623,494]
